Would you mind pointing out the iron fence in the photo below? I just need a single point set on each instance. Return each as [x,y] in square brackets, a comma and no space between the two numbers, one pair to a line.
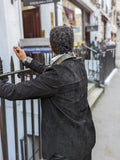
[21,146]
[99,67]
[107,62]
[29,145]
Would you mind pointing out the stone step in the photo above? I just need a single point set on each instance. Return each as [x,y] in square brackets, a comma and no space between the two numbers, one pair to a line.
[91,87]
[94,95]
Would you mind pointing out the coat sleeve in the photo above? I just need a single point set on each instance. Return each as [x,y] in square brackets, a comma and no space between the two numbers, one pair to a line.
[46,85]
[36,66]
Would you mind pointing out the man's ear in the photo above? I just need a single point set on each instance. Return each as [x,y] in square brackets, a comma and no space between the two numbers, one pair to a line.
[51,48]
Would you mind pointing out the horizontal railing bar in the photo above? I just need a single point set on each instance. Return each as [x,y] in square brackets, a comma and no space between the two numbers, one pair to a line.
[109,49]
[15,72]
[90,48]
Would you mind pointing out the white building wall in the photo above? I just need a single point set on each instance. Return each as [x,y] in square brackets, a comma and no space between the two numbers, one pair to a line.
[109,24]
[60,16]
[46,10]
[3,34]
[46,18]
[10,31]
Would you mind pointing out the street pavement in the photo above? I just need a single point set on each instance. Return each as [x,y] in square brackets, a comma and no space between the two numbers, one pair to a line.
[106,116]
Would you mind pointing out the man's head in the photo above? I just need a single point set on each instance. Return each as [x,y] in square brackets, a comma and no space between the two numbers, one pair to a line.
[61,39]
[109,39]
[95,37]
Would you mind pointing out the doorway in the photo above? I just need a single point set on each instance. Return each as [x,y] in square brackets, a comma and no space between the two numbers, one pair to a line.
[32,23]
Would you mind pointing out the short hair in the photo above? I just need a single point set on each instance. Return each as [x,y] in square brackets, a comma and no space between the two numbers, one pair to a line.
[62,39]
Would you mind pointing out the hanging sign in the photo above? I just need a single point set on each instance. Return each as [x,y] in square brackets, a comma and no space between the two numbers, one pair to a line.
[92,28]
[37,2]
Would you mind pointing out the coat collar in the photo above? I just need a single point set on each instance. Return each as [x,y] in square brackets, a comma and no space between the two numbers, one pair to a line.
[62,58]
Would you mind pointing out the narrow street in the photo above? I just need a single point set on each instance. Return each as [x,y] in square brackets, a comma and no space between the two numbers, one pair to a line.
[106,116]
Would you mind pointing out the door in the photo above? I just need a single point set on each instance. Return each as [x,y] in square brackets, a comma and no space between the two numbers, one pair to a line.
[87,34]
[32,23]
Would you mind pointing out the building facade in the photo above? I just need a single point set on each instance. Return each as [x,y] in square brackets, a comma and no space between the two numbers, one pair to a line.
[118,34]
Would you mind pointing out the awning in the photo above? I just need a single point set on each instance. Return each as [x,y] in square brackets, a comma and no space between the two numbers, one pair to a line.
[105,16]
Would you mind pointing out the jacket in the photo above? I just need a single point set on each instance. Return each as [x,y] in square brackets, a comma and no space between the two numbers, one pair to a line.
[67,125]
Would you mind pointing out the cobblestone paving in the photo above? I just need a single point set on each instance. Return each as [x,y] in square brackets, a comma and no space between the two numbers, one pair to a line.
[106,116]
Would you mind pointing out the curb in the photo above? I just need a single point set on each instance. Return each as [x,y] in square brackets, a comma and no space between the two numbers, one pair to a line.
[109,78]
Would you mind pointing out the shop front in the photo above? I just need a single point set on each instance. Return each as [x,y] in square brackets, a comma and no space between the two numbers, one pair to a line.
[77,17]
[38,20]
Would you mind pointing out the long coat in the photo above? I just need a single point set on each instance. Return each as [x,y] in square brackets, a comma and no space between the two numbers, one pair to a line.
[67,126]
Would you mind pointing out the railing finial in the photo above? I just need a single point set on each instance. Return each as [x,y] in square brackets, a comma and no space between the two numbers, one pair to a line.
[1,66]
[12,64]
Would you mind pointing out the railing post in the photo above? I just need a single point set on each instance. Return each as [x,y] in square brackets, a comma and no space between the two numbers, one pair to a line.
[32,123]
[24,120]
[4,125]
[15,114]
[40,129]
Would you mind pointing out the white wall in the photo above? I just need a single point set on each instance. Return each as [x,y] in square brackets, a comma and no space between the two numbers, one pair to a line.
[46,18]
[60,16]
[9,31]
[3,35]
[46,9]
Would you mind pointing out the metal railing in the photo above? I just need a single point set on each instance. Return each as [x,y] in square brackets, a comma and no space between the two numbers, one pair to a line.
[98,68]
[14,77]
[107,61]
